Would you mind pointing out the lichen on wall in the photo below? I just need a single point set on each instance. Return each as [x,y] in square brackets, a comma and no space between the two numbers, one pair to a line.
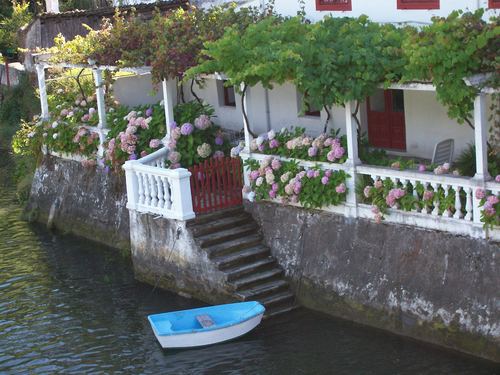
[425,284]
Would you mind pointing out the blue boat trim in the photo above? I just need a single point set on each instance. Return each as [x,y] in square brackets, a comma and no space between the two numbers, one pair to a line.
[162,323]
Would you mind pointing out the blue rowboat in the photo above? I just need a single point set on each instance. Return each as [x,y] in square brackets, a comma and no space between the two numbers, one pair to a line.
[205,325]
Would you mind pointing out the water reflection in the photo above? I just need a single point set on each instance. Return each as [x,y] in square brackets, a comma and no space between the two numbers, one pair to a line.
[70,306]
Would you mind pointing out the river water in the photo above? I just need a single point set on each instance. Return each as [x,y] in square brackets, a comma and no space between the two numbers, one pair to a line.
[70,306]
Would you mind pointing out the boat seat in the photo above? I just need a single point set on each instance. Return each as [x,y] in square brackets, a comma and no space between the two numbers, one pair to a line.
[205,320]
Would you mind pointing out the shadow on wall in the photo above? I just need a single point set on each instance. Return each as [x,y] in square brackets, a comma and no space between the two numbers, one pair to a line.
[136,90]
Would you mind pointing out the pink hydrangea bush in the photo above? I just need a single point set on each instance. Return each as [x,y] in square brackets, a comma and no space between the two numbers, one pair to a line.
[289,183]
[296,144]
[490,203]
[385,194]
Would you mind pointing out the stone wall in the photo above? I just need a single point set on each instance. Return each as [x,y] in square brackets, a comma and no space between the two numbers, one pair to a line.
[84,201]
[166,255]
[428,285]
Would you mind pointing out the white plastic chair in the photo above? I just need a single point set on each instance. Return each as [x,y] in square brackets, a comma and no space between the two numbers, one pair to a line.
[443,152]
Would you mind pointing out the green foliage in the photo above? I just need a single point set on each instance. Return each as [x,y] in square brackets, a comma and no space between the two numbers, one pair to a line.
[188,112]
[450,50]
[10,25]
[490,214]
[19,103]
[288,182]
[466,162]
[179,37]
[265,52]
[345,59]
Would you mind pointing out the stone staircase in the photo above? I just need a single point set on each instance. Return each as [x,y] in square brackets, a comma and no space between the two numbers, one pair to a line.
[234,243]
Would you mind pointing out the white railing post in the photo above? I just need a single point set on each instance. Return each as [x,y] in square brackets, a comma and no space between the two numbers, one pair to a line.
[168,104]
[182,203]
[352,161]
[42,88]
[132,184]
[246,125]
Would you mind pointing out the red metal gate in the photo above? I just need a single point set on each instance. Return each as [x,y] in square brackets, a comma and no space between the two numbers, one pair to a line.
[216,183]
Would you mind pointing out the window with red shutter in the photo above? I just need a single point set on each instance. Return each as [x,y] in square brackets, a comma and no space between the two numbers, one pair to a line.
[494,4]
[418,4]
[333,5]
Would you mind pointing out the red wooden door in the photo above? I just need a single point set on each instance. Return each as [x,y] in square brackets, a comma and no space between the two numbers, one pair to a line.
[386,119]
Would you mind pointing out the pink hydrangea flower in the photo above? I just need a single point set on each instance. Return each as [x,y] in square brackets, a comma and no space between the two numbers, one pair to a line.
[367,191]
[378,184]
[310,173]
[289,189]
[316,174]
[497,178]
[174,157]
[492,199]
[338,152]
[428,195]
[254,175]
[297,187]
[187,128]
[422,168]
[275,186]
[341,188]
[275,164]
[325,180]
[274,143]
[202,122]
[259,181]
[328,173]
[480,193]
[154,143]
[312,152]
[143,154]
[375,210]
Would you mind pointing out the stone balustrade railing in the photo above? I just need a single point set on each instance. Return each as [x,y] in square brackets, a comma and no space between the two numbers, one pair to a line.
[462,217]
[151,188]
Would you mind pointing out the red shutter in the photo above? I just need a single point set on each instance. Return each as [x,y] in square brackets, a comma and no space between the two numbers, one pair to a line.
[418,4]
[333,5]
[494,4]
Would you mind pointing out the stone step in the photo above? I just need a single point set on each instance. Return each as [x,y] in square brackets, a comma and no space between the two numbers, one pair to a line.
[278,299]
[228,234]
[279,311]
[206,218]
[262,290]
[234,245]
[257,279]
[221,224]
[242,257]
[249,268]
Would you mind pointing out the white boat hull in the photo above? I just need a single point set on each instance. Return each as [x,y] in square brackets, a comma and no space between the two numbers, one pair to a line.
[188,340]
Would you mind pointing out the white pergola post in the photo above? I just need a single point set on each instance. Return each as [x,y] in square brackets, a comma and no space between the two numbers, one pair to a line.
[481,138]
[352,160]
[99,91]
[246,125]
[352,135]
[168,104]
[42,88]
[101,110]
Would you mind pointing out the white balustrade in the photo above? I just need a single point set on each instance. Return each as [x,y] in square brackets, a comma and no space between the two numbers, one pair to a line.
[455,210]
[151,188]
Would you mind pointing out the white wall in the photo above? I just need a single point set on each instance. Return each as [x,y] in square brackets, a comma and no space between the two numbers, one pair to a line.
[136,90]
[384,10]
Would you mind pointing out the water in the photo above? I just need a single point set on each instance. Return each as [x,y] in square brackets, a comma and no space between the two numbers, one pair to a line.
[70,306]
